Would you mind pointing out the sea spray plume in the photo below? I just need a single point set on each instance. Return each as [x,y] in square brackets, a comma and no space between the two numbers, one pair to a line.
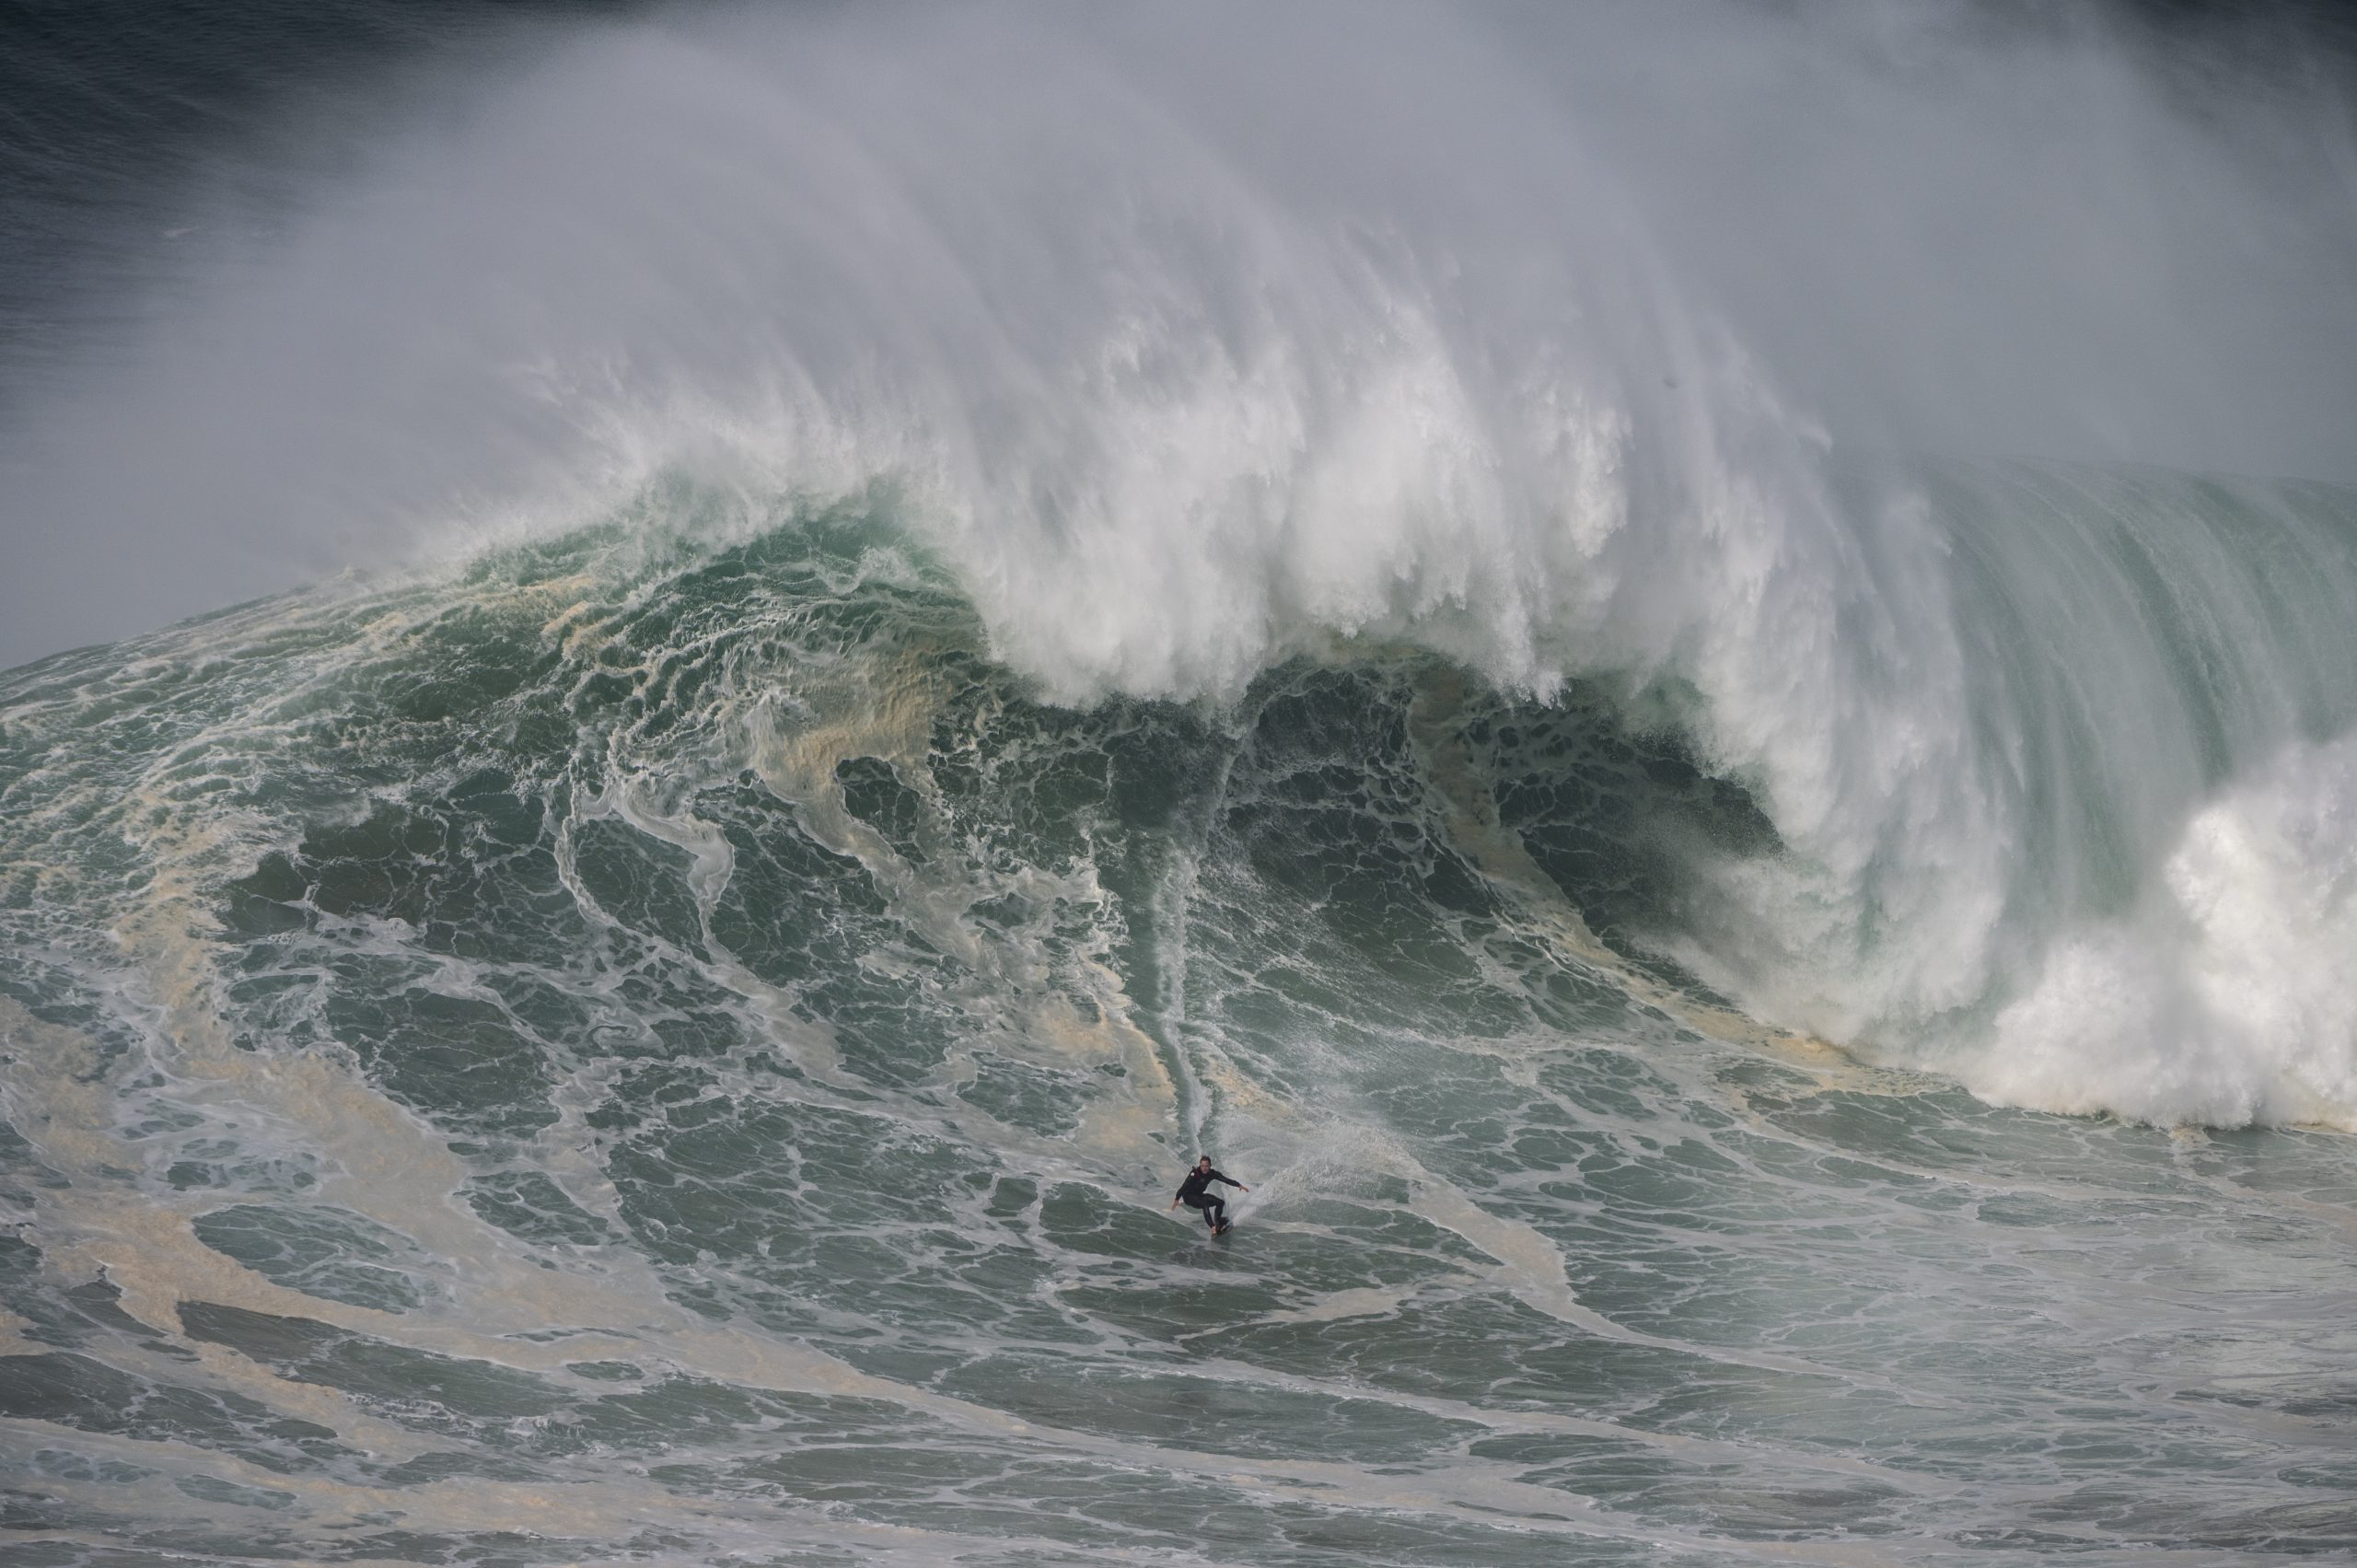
[2082,231]
[1977,227]
[1187,370]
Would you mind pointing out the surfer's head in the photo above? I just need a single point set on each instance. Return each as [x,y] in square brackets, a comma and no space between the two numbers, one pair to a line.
[1205,1163]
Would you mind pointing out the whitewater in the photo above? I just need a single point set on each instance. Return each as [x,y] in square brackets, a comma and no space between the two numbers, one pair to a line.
[1719,753]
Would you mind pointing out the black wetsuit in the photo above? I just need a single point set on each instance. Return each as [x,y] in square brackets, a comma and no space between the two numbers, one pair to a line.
[1196,1194]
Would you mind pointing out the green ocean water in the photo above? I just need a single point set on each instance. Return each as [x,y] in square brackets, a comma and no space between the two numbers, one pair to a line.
[658,1045]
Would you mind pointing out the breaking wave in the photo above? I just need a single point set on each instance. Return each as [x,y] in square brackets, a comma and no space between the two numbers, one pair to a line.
[952,613]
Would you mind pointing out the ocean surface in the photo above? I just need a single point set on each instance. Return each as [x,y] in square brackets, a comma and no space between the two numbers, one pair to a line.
[900,641]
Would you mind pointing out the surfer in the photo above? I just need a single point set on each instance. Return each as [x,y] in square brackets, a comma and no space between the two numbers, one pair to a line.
[1196,1194]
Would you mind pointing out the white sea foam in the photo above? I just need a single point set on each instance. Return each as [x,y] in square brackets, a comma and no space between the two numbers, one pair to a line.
[2228,997]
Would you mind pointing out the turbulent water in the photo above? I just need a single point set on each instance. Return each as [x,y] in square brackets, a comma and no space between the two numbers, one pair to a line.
[1778,1003]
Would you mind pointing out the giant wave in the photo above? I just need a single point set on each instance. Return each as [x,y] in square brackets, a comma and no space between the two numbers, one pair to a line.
[949,614]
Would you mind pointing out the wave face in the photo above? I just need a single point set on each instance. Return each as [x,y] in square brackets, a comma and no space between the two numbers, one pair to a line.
[657,1043]
[955,612]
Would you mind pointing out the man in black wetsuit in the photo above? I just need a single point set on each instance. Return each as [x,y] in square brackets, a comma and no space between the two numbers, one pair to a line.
[1196,1194]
